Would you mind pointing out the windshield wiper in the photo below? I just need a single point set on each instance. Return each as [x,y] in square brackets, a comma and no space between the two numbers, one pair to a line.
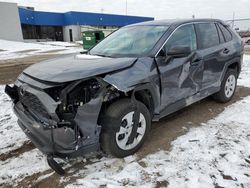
[102,55]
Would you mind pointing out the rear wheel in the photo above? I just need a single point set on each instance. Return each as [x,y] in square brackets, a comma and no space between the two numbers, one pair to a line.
[130,125]
[228,87]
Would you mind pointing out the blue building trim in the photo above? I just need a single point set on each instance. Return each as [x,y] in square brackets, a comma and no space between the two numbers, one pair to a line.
[77,18]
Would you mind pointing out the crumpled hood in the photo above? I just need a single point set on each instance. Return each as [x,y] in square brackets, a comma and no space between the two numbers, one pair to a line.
[71,67]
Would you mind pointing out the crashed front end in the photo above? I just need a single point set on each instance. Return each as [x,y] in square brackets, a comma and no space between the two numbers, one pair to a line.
[61,119]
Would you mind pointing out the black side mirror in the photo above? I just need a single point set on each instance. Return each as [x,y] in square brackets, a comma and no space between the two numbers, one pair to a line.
[179,51]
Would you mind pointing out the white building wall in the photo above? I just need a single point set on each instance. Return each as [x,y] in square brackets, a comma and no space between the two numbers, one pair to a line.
[76,33]
[10,26]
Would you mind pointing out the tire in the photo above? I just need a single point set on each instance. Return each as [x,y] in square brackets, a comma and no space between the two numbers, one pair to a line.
[228,87]
[118,125]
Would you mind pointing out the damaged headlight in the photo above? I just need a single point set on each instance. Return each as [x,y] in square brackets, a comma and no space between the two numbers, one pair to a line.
[75,95]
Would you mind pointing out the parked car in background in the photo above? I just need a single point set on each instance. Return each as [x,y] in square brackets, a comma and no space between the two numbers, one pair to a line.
[245,35]
[106,99]
[247,40]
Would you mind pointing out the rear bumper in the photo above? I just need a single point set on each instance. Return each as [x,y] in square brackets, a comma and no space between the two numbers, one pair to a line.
[53,138]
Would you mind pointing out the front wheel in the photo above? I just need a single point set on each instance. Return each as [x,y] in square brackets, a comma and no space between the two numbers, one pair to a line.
[130,125]
[228,87]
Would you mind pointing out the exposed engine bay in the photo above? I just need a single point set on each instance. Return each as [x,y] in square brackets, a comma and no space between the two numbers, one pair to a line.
[73,96]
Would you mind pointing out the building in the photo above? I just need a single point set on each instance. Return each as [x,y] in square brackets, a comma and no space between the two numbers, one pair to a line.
[19,23]
[10,26]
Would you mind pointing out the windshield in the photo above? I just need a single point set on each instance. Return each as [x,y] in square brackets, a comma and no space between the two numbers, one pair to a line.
[130,41]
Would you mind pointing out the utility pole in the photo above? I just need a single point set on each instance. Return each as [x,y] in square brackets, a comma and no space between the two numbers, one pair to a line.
[126,7]
[233,20]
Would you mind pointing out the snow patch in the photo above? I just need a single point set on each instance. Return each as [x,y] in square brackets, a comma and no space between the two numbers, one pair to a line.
[15,169]
[11,136]
[244,78]
[208,156]
[13,50]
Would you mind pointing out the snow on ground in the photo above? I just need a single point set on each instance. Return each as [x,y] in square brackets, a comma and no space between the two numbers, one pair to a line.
[11,136]
[244,78]
[12,49]
[215,154]
[58,43]
[25,165]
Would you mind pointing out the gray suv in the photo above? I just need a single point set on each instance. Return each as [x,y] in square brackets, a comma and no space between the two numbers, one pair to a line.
[105,99]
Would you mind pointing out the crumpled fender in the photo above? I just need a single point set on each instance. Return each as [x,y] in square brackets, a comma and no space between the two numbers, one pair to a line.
[142,75]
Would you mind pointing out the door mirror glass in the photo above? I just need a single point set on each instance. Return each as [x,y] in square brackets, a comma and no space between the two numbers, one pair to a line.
[179,51]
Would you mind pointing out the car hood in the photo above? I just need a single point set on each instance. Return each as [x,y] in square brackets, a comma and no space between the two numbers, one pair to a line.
[75,67]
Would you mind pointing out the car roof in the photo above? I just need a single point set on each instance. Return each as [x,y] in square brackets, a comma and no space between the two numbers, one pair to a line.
[175,22]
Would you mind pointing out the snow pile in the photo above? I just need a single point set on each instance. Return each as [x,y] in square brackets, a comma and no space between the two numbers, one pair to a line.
[244,78]
[12,49]
[11,135]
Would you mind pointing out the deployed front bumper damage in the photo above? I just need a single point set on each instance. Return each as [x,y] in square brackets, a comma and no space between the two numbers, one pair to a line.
[48,133]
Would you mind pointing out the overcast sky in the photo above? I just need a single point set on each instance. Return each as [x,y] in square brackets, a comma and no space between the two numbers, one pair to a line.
[160,9]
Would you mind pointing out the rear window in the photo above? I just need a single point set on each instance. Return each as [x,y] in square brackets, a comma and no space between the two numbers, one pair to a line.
[208,35]
[227,34]
[222,40]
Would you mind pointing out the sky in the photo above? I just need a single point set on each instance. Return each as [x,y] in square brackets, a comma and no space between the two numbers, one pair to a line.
[160,9]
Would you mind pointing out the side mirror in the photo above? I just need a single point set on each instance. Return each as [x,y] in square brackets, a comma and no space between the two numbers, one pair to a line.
[179,51]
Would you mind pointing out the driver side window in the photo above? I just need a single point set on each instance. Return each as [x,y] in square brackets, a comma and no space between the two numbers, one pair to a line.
[183,36]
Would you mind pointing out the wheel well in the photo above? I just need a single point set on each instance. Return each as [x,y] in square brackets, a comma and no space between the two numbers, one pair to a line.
[234,66]
[145,97]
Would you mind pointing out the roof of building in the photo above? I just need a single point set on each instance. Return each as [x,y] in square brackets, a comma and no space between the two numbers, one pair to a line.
[32,17]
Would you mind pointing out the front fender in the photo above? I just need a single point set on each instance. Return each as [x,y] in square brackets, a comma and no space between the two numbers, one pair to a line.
[142,75]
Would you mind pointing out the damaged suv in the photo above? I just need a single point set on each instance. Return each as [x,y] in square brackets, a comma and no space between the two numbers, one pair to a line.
[105,99]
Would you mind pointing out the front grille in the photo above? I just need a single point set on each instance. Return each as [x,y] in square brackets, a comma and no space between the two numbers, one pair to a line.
[33,104]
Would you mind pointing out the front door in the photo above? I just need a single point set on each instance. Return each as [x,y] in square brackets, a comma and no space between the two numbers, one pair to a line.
[180,77]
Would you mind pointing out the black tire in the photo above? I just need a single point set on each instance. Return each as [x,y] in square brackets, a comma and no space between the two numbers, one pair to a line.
[112,122]
[221,95]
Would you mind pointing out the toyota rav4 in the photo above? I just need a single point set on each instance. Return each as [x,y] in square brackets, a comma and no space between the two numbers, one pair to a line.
[105,99]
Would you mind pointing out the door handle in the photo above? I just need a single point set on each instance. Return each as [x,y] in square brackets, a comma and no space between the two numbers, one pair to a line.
[226,51]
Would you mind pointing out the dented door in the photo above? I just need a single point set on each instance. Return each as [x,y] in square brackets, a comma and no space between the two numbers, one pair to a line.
[180,77]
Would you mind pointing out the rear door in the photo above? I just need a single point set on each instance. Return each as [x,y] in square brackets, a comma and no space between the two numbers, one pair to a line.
[214,52]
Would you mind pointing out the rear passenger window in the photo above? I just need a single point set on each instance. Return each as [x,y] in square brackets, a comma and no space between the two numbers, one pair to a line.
[226,33]
[208,35]
[222,40]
